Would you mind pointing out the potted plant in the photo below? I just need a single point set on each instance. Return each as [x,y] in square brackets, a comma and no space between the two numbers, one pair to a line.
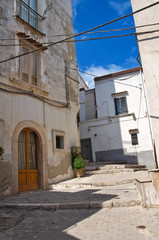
[77,162]
[78,166]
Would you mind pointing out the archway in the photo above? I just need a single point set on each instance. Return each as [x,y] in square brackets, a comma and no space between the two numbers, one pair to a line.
[29,170]
[39,139]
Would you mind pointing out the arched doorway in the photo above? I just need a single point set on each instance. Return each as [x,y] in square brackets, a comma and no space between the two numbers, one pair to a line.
[28,160]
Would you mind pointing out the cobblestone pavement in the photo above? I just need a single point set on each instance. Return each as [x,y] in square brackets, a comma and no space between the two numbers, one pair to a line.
[123,192]
[128,223]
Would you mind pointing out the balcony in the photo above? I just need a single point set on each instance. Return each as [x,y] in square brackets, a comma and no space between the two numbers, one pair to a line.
[29,16]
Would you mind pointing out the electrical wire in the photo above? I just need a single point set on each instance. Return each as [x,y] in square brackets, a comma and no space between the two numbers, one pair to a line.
[117,81]
[62,35]
[79,34]
[83,40]
[90,74]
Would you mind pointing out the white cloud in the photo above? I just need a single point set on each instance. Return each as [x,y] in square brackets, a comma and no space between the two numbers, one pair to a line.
[133,50]
[120,8]
[131,61]
[74,7]
[99,71]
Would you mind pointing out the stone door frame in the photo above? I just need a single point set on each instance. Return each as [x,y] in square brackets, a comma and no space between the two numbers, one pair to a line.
[43,153]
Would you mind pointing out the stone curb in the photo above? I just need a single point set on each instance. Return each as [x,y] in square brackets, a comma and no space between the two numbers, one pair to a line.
[76,205]
[86,185]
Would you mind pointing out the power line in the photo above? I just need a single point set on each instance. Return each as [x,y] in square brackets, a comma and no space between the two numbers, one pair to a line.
[87,39]
[79,34]
[83,72]
[62,35]
[117,81]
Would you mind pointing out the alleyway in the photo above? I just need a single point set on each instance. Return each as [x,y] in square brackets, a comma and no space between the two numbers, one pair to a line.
[98,206]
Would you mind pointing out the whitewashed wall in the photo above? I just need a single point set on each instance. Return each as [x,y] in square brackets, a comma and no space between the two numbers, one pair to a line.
[110,137]
[149,52]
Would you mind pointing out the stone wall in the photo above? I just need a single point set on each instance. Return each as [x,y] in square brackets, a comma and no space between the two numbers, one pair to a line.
[52,106]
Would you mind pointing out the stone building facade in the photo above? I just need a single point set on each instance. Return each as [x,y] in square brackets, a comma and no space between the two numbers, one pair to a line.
[38,94]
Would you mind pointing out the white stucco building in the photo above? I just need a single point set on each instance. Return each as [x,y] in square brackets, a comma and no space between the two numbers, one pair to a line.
[114,123]
[148,43]
[39,95]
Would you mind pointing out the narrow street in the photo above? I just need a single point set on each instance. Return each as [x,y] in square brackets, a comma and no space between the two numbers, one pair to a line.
[97,206]
[107,223]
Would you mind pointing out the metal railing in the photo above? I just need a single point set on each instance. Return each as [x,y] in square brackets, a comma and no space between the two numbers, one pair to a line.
[29,15]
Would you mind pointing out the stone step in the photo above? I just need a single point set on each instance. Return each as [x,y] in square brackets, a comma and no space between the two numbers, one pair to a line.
[108,171]
[100,167]
[74,205]
[87,163]
[114,167]
[134,166]
[88,185]
[113,171]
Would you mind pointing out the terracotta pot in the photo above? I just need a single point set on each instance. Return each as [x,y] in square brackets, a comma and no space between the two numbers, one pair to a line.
[79,173]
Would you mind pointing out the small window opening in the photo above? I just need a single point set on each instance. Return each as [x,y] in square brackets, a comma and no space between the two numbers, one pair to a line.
[134,139]
[60,142]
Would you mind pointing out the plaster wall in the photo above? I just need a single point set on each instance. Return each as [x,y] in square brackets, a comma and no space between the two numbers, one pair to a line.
[90,105]
[82,106]
[59,114]
[132,83]
[149,52]
[109,134]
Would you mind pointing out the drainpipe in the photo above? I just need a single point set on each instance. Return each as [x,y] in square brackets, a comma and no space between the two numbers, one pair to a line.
[147,109]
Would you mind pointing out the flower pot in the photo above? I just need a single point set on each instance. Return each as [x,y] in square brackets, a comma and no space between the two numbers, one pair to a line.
[79,173]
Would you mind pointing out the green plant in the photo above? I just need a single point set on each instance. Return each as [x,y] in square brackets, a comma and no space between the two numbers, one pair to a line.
[1,151]
[78,163]
[76,152]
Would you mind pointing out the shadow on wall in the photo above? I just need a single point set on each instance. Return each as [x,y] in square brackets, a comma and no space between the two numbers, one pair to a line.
[116,156]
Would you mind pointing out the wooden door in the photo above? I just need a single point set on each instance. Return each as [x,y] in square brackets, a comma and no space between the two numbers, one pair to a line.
[87,149]
[28,160]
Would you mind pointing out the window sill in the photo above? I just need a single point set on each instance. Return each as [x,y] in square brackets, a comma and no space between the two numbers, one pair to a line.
[28,87]
[59,151]
[124,115]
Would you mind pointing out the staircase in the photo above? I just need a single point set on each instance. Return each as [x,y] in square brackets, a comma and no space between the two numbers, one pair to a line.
[93,168]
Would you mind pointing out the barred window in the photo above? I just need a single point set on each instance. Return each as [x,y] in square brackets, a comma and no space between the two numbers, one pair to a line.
[28,12]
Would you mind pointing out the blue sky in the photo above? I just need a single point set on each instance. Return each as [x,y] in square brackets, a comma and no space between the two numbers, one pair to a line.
[102,57]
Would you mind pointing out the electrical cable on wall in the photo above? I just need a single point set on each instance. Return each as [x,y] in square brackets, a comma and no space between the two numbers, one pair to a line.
[21,91]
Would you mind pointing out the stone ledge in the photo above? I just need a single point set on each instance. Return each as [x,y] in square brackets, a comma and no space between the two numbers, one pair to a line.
[28,87]
[145,180]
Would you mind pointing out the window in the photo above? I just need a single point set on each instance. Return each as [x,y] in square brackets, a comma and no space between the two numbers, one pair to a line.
[120,105]
[134,136]
[60,142]
[134,139]
[28,12]
[29,67]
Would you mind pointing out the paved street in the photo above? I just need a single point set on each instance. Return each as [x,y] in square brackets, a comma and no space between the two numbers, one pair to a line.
[129,223]
[102,206]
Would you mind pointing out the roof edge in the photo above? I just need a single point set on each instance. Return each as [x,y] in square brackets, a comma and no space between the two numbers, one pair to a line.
[131,70]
